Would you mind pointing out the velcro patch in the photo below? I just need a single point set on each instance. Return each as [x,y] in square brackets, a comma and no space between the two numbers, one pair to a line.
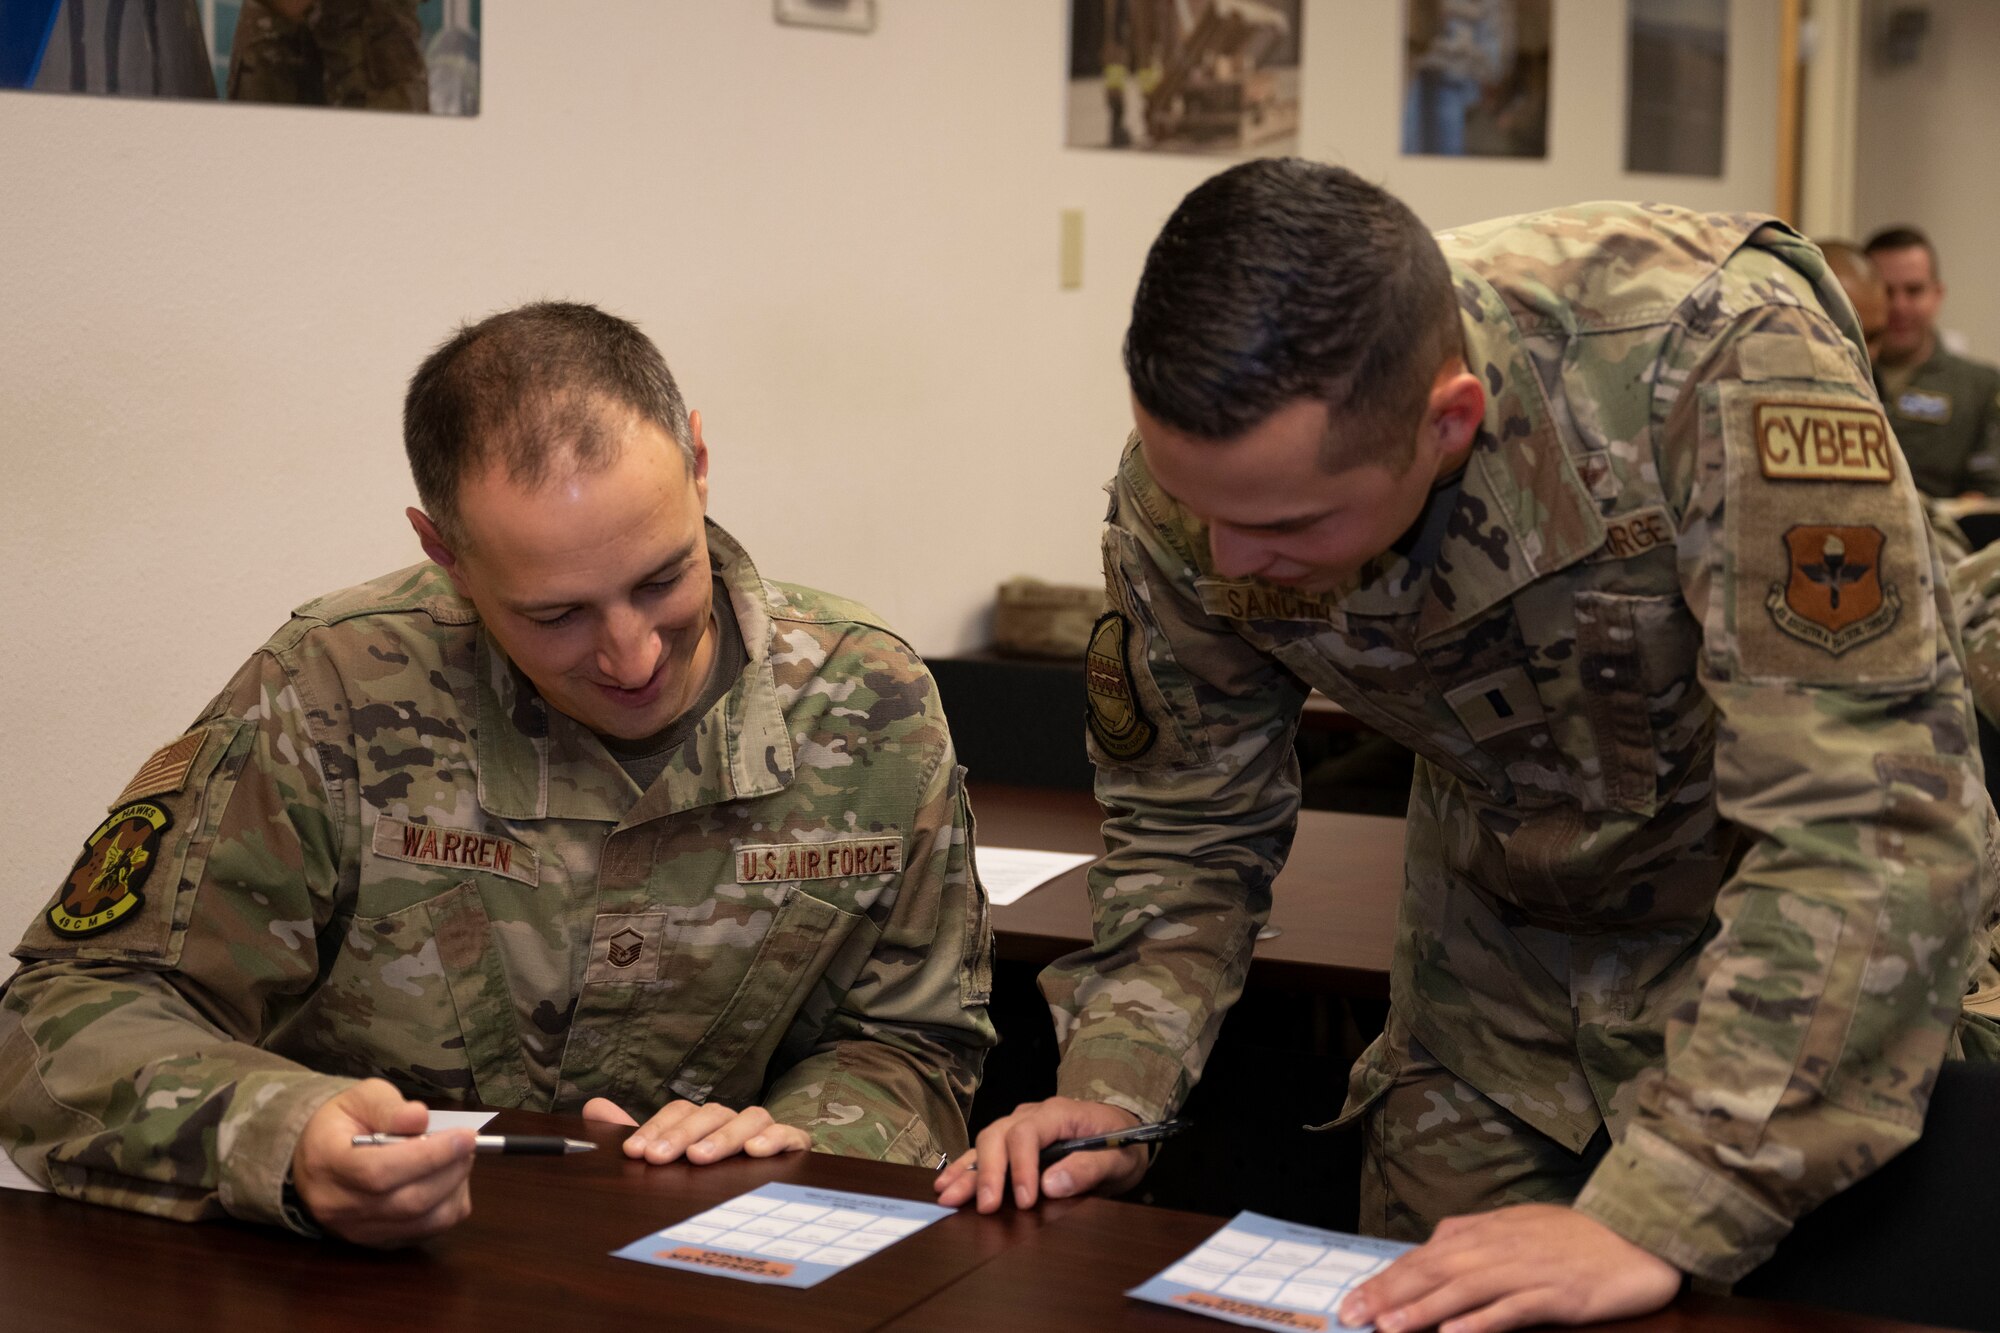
[1501,702]
[1117,721]
[456,849]
[1920,405]
[1250,599]
[773,863]
[1635,533]
[1806,439]
[1776,356]
[1829,582]
[166,771]
[103,887]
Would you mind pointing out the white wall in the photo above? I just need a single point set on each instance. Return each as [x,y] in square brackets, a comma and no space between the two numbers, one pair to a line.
[1926,154]
[846,247]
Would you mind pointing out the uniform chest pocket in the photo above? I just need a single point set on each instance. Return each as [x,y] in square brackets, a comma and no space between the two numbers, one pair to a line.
[774,975]
[1636,658]
[416,996]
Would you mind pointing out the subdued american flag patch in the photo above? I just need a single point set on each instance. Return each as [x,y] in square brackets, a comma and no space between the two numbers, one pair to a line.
[165,771]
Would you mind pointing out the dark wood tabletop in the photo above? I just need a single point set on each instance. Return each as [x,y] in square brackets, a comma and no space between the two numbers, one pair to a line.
[1073,1274]
[1334,903]
[537,1253]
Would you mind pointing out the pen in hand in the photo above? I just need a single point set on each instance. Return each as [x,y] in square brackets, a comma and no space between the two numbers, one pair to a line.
[547,1145]
[1121,1138]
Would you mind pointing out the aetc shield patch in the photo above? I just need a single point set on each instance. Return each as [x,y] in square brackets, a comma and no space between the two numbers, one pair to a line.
[103,889]
[1834,598]
[1122,729]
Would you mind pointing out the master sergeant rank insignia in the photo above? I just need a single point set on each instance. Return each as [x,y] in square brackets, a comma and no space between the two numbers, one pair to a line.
[1834,598]
[103,888]
[1120,725]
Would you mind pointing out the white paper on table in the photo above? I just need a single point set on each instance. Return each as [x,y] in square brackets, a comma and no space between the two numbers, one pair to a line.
[1010,873]
[13,1178]
[471,1120]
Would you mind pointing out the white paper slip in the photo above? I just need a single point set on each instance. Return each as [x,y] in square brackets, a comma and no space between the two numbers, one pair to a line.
[472,1120]
[785,1235]
[13,1178]
[1264,1273]
[1009,874]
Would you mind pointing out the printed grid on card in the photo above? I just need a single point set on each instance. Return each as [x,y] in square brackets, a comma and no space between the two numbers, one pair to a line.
[1265,1273]
[785,1234]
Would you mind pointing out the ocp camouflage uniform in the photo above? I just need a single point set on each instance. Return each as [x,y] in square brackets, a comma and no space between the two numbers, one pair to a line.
[1698,846]
[380,853]
[352,53]
[1946,415]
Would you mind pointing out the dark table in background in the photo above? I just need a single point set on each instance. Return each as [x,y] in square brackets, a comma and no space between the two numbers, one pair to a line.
[536,1253]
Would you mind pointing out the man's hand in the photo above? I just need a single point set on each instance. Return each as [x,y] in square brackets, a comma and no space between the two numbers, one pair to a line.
[1013,1145]
[701,1133]
[1534,1263]
[387,1196]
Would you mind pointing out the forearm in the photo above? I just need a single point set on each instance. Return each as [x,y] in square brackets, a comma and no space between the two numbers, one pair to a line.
[115,1090]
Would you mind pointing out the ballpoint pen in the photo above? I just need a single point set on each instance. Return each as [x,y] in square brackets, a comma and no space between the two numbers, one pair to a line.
[1122,1138]
[549,1145]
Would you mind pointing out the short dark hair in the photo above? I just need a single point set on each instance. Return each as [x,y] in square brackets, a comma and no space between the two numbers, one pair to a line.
[1903,238]
[1282,279]
[527,388]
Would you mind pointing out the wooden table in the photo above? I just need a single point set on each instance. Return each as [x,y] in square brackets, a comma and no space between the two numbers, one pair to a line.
[1072,1273]
[1334,904]
[536,1254]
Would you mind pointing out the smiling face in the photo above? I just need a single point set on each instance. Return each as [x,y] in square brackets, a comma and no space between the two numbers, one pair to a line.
[1915,295]
[1275,513]
[596,584]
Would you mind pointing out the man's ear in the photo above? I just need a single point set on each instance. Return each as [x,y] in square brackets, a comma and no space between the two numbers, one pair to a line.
[1452,418]
[699,463]
[436,547]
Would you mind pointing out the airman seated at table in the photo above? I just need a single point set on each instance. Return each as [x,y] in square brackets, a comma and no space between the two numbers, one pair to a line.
[583,814]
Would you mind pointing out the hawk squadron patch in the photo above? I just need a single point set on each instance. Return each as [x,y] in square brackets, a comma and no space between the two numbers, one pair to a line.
[1122,728]
[1835,597]
[103,888]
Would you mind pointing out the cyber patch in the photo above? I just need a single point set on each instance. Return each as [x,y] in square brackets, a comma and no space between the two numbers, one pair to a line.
[103,888]
[1121,726]
[1808,440]
[1834,598]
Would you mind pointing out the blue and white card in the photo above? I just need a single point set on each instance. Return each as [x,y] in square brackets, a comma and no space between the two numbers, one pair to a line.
[787,1235]
[1265,1273]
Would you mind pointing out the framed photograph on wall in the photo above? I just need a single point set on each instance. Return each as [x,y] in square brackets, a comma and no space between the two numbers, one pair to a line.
[1183,76]
[1476,78]
[1677,95]
[845,15]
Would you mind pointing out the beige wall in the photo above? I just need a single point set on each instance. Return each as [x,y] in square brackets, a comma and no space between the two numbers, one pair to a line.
[1926,154]
[845,245]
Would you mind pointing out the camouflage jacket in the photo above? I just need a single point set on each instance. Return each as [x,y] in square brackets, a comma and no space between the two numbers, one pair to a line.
[379,853]
[1696,841]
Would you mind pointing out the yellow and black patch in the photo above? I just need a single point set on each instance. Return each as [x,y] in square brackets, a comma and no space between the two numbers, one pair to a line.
[1834,597]
[1122,729]
[103,888]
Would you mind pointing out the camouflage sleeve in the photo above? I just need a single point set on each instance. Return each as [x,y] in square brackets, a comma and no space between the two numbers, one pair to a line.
[129,1070]
[898,1058]
[1190,728]
[1844,752]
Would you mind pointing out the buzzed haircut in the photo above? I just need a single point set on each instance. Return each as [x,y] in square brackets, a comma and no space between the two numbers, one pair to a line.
[1847,260]
[1282,279]
[530,389]
[1904,238]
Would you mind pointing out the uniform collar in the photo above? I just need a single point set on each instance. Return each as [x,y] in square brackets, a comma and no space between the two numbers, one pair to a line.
[1523,512]
[536,763]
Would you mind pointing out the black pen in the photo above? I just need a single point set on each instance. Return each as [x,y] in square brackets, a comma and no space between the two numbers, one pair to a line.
[1153,1133]
[546,1145]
